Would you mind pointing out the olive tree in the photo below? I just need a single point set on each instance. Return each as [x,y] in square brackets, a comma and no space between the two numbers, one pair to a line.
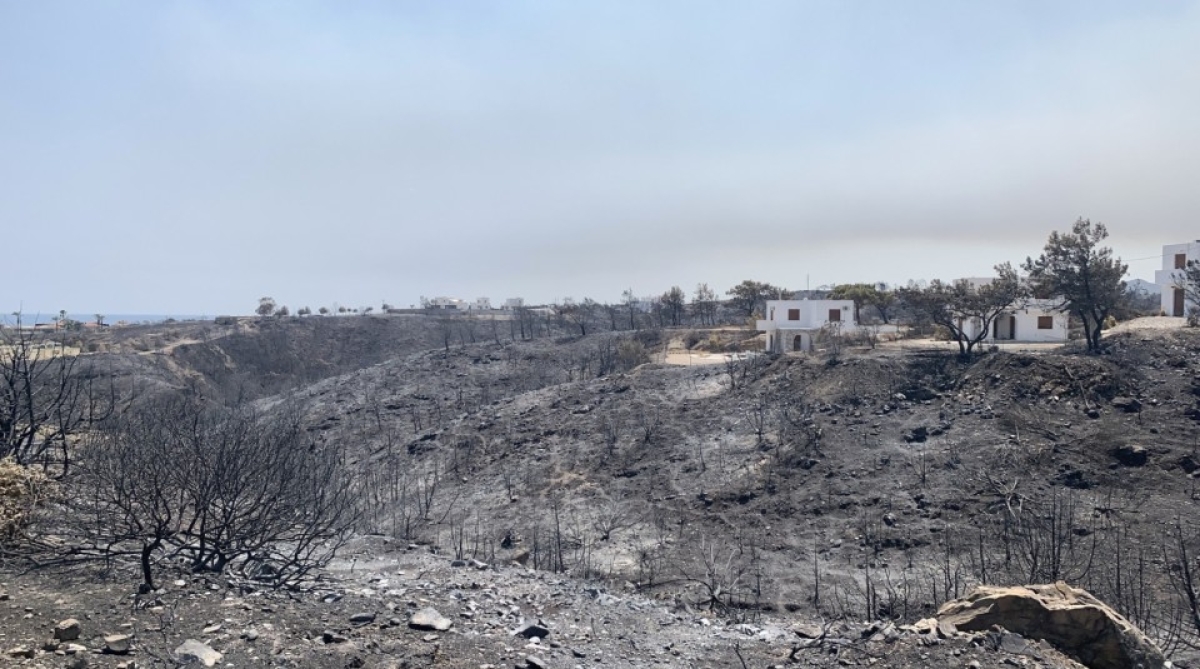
[964,309]
[750,296]
[266,306]
[1085,278]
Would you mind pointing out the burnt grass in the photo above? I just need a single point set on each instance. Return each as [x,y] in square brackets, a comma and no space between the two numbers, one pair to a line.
[644,514]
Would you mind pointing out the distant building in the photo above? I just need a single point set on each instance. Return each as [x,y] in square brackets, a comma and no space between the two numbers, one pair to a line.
[1032,321]
[1029,320]
[791,324]
[481,304]
[444,303]
[514,303]
[1169,279]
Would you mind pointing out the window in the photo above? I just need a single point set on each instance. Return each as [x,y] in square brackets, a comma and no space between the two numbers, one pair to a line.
[793,314]
[1180,261]
[1045,322]
[835,315]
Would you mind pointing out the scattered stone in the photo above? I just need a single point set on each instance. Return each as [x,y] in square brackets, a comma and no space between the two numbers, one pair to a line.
[531,631]
[808,631]
[430,637]
[430,620]
[117,644]
[193,651]
[1014,644]
[26,652]
[67,630]
[77,662]
[211,629]
[535,662]
[362,618]
[946,629]
[1070,619]
[917,435]
[1127,404]
[74,649]
[250,635]
[329,637]
[1130,456]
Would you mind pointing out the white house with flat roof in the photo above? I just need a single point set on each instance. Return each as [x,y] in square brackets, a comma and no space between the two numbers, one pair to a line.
[1169,279]
[791,324]
[1030,321]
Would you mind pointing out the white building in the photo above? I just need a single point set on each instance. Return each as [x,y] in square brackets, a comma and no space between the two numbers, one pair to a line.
[791,324]
[481,304]
[1033,321]
[1175,258]
[1029,320]
[514,303]
[445,303]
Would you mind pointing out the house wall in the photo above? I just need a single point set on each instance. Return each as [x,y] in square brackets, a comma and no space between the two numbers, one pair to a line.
[1026,325]
[812,315]
[1168,275]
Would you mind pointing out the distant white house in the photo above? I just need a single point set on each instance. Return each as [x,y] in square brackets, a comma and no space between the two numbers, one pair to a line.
[1032,321]
[1029,320]
[1175,258]
[481,304]
[444,303]
[791,324]
[514,303]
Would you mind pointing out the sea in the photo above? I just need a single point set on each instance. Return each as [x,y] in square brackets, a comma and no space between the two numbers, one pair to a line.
[30,318]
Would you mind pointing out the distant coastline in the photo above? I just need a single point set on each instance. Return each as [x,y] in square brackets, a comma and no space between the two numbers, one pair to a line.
[32,318]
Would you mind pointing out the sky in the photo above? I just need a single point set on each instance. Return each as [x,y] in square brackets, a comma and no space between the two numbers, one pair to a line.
[191,157]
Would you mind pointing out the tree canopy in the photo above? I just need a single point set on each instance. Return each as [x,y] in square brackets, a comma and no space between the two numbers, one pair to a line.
[751,296]
[967,311]
[1086,279]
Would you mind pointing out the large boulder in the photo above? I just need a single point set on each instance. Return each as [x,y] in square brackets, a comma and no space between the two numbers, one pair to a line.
[1068,618]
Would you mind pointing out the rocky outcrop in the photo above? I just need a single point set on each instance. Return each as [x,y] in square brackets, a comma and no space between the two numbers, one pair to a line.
[1070,619]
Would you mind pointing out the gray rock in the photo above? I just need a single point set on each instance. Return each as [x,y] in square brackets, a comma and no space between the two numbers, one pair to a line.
[67,630]
[531,631]
[429,619]
[329,636]
[807,631]
[362,618]
[117,644]
[1130,455]
[196,652]
[535,662]
[1070,619]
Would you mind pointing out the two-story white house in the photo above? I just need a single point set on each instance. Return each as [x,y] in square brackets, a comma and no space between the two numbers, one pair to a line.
[791,324]
[1169,279]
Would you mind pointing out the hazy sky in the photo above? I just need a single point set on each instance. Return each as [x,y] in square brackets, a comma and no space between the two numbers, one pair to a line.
[190,157]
